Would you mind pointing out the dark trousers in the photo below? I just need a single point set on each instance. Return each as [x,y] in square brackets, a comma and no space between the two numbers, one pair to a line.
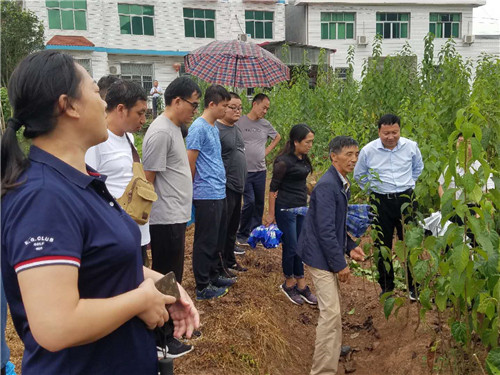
[229,228]
[144,254]
[207,236]
[155,106]
[253,203]
[290,224]
[167,248]
[389,218]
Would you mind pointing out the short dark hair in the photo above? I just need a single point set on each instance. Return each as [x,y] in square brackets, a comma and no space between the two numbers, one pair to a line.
[234,95]
[215,94]
[181,87]
[259,97]
[389,119]
[338,143]
[124,92]
[104,84]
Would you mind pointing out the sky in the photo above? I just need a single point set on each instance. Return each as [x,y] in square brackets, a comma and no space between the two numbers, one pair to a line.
[487,18]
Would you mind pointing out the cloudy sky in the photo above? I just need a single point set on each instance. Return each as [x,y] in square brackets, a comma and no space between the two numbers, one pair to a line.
[487,18]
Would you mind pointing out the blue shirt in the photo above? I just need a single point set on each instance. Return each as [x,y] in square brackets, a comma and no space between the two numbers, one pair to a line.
[389,171]
[59,215]
[210,177]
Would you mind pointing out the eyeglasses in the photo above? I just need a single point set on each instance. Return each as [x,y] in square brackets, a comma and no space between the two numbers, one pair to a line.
[234,108]
[194,105]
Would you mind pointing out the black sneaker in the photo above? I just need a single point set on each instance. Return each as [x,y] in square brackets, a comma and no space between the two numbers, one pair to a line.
[238,268]
[224,282]
[176,349]
[413,296]
[238,250]
[242,242]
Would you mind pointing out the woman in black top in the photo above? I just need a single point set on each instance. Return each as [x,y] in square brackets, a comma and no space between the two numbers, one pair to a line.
[287,206]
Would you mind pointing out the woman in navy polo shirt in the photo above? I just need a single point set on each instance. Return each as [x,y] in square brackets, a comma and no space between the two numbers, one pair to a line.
[71,263]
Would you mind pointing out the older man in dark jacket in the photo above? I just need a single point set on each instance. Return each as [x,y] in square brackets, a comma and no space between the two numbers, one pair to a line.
[323,243]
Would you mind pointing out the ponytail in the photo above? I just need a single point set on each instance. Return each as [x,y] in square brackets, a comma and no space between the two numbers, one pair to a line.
[14,163]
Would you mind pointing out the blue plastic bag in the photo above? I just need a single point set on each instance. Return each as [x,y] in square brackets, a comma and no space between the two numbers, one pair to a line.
[269,236]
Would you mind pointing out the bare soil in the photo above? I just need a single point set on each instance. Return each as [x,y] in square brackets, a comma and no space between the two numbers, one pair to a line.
[254,329]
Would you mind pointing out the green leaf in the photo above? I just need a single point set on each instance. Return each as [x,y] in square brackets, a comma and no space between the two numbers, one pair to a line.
[388,306]
[441,299]
[459,332]
[493,362]
[414,237]
[457,283]
[476,194]
[351,312]
[460,257]
[425,298]
[400,250]
[420,270]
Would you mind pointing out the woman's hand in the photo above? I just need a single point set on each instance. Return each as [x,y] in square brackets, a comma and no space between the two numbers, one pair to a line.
[269,219]
[155,313]
[184,315]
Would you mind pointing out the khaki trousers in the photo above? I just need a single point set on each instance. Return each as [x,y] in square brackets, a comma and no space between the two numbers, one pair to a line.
[329,329]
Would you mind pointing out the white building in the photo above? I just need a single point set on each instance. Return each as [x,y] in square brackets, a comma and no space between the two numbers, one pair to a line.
[340,24]
[146,40]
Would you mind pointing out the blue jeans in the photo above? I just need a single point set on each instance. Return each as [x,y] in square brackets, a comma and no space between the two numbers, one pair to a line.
[290,224]
[253,203]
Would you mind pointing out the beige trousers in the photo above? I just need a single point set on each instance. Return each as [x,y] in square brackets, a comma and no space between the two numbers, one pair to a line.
[329,329]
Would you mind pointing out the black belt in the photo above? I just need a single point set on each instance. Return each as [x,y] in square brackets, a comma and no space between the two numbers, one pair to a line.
[408,192]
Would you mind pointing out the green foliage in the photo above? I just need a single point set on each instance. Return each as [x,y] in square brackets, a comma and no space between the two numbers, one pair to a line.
[22,34]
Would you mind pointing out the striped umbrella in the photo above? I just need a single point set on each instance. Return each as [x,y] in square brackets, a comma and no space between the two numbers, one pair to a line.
[237,64]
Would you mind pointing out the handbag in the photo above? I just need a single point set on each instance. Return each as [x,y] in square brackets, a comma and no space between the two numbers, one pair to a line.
[139,195]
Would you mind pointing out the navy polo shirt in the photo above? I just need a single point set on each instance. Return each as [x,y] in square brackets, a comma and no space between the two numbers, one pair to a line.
[59,215]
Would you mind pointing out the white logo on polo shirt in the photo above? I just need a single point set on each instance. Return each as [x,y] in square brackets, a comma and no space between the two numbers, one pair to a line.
[38,242]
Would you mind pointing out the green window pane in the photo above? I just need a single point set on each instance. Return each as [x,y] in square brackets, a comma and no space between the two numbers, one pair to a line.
[199,13]
[447,30]
[269,16]
[392,16]
[349,32]
[404,17]
[433,17]
[432,28]
[67,20]
[268,30]
[148,10]
[148,26]
[80,4]
[341,31]
[455,30]
[349,17]
[137,26]
[123,8]
[335,17]
[188,28]
[249,28]
[80,20]
[125,25]
[380,30]
[456,17]
[445,17]
[439,30]
[380,16]
[65,4]
[249,14]
[188,12]
[325,16]
[404,30]
[259,15]
[54,19]
[210,25]
[395,30]
[387,30]
[259,30]
[333,31]
[52,4]
[136,9]
[199,27]
[210,13]
[324,30]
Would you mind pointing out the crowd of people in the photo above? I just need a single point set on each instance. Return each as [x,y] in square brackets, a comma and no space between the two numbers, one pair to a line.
[82,295]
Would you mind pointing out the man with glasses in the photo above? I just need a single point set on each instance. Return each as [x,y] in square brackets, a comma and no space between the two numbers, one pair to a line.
[256,131]
[233,156]
[166,166]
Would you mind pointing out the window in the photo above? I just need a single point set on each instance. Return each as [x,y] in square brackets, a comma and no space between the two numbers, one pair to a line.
[67,15]
[341,73]
[86,63]
[337,25]
[140,73]
[199,23]
[259,24]
[393,25]
[445,25]
[136,19]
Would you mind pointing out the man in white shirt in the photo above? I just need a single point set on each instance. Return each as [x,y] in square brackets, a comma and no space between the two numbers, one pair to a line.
[156,92]
[126,113]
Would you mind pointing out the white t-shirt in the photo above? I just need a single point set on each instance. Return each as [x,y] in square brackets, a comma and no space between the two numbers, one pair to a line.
[460,171]
[158,92]
[113,159]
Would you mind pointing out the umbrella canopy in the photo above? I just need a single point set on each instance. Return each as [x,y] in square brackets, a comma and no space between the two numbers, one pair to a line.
[237,64]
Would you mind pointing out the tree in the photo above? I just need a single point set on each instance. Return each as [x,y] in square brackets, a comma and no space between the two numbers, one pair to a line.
[21,34]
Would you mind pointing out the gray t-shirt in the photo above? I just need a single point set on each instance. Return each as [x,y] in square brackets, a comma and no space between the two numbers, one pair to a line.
[164,152]
[255,135]
[233,156]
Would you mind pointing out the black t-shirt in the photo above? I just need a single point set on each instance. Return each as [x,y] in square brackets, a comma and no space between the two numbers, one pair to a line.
[289,180]
[233,156]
